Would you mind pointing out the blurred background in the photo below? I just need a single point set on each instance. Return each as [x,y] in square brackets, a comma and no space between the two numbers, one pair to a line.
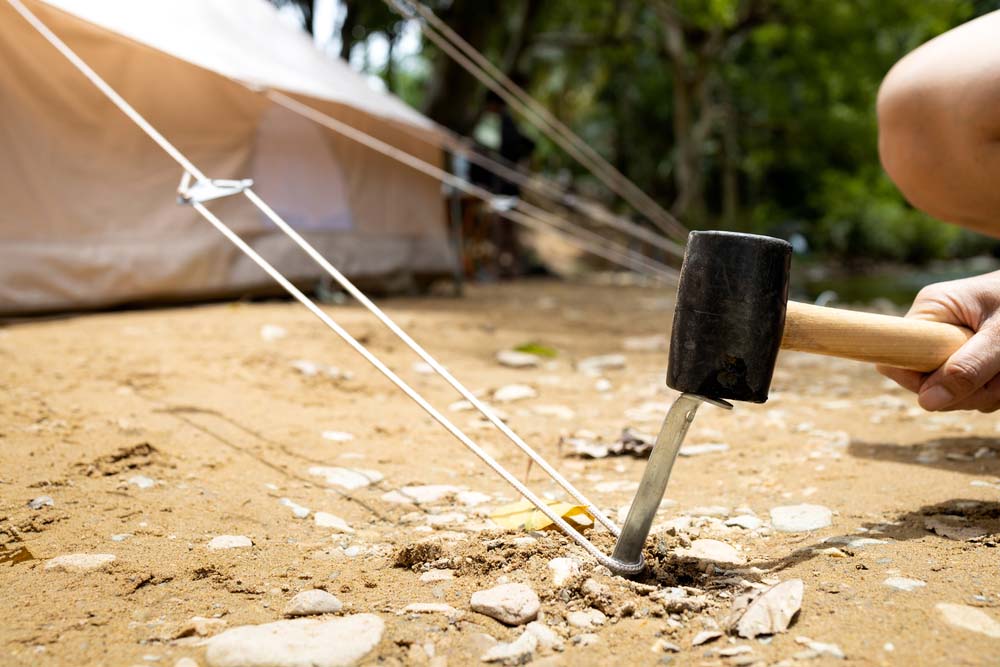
[750,115]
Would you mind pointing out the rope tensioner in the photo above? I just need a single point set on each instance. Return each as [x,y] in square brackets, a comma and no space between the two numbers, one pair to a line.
[204,189]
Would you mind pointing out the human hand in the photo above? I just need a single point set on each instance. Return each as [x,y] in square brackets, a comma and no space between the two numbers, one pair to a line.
[970,378]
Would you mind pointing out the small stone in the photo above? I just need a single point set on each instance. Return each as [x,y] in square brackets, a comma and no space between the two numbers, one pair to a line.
[348,478]
[294,643]
[423,368]
[548,640]
[705,636]
[80,562]
[516,652]
[511,604]
[800,518]
[299,511]
[272,332]
[593,366]
[585,639]
[40,502]
[655,343]
[434,576]
[338,436]
[513,392]
[555,411]
[603,385]
[706,448]
[311,602]
[772,611]
[663,646]
[586,619]
[472,498]
[563,569]
[229,542]
[142,482]
[734,651]
[515,359]
[711,550]
[904,584]
[969,618]
[199,626]
[818,650]
[327,520]
[429,608]
[120,537]
[747,521]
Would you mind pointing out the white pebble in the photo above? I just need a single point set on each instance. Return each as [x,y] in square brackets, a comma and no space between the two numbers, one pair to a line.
[706,448]
[969,618]
[348,478]
[272,332]
[515,359]
[514,392]
[229,542]
[434,576]
[327,520]
[338,436]
[142,482]
[516,652]
[800,518]
[586,618]
[40,502]
[904,584]
[299,511]
[80,562]
[512,604]
[293,643]
[563,569]
[711,550]
[314,601]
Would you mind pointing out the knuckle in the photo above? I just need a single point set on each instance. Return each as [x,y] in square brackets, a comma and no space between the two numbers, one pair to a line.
[961,375]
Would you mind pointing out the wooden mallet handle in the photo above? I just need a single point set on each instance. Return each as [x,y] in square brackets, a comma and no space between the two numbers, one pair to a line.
[880,339]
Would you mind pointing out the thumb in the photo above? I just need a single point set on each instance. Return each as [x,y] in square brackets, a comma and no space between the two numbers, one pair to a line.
[969,368]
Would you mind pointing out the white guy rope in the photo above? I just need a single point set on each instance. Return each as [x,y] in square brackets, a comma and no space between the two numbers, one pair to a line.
[160,140]
[528,214]
[482,69]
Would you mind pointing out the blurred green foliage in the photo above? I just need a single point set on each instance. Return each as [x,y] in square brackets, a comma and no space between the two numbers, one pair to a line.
[755,115]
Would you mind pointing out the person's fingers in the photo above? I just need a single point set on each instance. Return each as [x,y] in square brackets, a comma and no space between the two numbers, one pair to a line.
[909,380]
[968,369]
[984,399]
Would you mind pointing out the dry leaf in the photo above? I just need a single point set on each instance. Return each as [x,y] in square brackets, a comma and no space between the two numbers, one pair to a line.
[524,515]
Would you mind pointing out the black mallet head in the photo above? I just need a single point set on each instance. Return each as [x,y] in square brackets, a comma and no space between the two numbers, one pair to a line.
[729,316]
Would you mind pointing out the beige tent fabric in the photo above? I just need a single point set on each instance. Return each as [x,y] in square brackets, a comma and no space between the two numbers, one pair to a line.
[88,212]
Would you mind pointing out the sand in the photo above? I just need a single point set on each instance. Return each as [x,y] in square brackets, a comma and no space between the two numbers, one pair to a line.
[219,419]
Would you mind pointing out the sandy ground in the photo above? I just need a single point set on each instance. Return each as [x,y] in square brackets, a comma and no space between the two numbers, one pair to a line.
[218,417]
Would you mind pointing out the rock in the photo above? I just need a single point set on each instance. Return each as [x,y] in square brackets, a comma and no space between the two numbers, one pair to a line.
[800,518]
[563,569]
[969,618]
[511,604]
[338,436]
[705,636]
[711,550]
[422,495]
[327,520]
[595,365]
[295,643]
[706,448]
[772,611]
[516,652]
[734,651]
[120,537]
[348,478]
[818,650]
[515,359]
[677,601]
[40,502]
[586,619]
[272,332]
[548,640]
[586,639]
[80,562]
[142,482]
[513,392]
[229,542]
[299,511]
[904,584]
[603,385]
[472,498]
[434,576]
[655,343]
[199,626]
[311,602]
[747,521]
[663,646]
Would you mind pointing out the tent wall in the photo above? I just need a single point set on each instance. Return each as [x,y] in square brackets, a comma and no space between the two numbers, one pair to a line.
[88,212]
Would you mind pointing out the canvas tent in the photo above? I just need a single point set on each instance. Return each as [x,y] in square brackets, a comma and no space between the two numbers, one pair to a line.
[88,212]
